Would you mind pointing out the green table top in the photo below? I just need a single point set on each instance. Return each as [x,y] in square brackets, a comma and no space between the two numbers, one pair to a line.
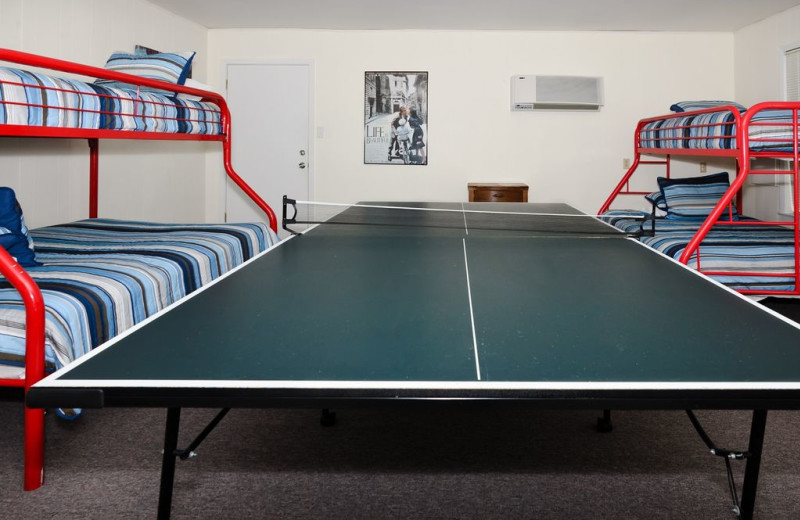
[430,307]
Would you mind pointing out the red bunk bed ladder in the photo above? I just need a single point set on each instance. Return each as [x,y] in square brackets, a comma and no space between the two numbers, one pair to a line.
[623,187]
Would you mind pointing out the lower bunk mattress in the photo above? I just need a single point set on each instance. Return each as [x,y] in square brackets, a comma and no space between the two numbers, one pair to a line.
[100,277]
[727,248]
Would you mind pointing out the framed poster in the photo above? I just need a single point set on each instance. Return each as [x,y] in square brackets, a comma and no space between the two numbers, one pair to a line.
[396,118]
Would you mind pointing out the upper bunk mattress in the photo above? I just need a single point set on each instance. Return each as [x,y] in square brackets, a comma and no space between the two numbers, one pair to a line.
[769,130]
[34,99]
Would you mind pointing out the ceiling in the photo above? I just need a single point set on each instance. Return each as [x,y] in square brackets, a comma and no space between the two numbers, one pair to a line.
[529,15]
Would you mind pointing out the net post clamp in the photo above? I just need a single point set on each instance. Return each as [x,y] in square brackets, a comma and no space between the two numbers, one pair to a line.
[286,220]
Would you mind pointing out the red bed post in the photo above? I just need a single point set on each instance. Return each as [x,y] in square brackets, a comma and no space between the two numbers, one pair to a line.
[624,182]
[93,176]
[273,221]
[34,364]
[226,159]
[796,196]
[623,187]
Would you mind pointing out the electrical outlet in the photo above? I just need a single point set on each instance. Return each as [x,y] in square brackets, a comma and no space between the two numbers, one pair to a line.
[703,167]
[626,163]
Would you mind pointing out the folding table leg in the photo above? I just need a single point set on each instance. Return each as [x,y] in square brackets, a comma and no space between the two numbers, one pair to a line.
[757,428]
[604,424]
[34,448]
[168,463]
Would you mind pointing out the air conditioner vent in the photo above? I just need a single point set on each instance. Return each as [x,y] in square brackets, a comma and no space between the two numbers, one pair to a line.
[556,92]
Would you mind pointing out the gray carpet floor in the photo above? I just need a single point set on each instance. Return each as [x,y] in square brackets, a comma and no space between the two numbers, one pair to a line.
[420,464]
[400,464]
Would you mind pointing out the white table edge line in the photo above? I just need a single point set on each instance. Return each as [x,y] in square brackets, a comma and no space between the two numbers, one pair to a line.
[414,385]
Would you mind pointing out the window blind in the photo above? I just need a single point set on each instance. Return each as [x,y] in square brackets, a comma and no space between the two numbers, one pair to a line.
[793,75]
[786,190]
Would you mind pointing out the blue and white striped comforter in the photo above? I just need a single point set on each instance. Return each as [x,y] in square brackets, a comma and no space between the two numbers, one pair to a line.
[726,248]
[89,299]
[33,99]
[103,276]
[204,251]
[769,130]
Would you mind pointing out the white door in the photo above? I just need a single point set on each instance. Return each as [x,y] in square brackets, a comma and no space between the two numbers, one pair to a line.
[270,122]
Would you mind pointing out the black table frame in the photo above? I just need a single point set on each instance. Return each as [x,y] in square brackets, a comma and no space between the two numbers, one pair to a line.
[174,399]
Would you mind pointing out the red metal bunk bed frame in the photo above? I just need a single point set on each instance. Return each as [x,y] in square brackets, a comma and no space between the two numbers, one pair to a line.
[16,275]
[742,123]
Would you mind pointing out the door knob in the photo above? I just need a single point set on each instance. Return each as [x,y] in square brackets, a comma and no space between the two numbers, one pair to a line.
[302,165]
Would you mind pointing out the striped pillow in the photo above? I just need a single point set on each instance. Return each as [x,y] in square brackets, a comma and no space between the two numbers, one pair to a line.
[165,66]
[687,106]
[657,200]
[693,198]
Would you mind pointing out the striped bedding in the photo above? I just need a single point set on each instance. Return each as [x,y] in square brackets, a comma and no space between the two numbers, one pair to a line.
[725,248]
[769,130]
[203,251]
[103,276]
[33,99]
[89,300]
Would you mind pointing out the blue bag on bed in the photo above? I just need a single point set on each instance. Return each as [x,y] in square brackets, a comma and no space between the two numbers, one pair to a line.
[14,236]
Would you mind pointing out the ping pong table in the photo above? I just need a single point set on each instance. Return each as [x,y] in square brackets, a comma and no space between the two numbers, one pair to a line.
[382,306]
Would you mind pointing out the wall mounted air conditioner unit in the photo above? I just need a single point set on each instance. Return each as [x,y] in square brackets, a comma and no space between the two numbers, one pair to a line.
[556,92]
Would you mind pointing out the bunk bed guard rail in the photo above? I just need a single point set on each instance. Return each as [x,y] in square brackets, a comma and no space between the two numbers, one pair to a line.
[33,60]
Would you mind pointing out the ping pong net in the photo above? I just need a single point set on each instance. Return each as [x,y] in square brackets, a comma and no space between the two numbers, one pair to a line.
[539,219]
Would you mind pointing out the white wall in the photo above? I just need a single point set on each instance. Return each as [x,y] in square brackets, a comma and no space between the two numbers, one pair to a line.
[564,156]
[160,181]
[760,77]
[759,56]
[574,157]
